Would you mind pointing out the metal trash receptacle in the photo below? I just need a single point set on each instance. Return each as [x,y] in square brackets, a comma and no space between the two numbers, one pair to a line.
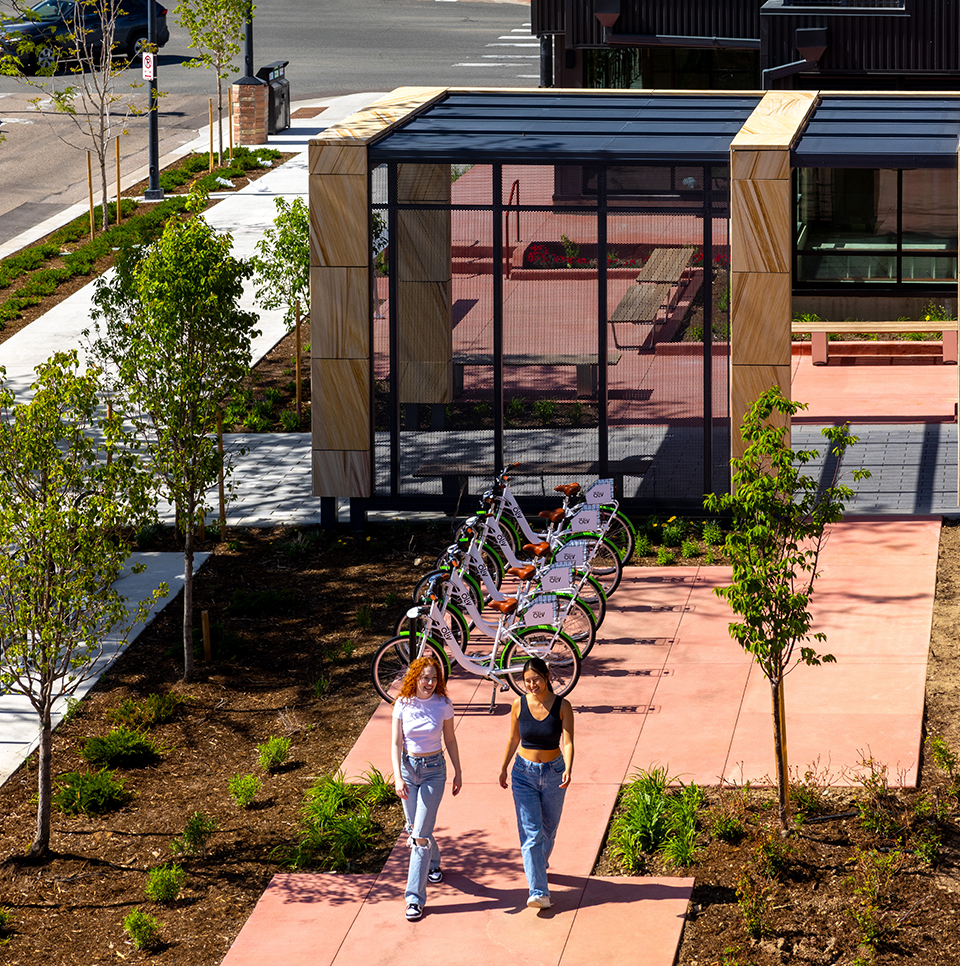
[278,110]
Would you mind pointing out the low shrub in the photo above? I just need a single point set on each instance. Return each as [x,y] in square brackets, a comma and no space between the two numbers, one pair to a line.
[143,929]
[712,533]
[122,747]
[165,883]
[244,789]
[154,710]
[90,793]
[196,835]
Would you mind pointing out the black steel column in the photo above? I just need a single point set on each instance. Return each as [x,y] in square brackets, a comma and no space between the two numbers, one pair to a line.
[154,192]
[393,287]
[603,423]
[546,60]
[707,289]
[498,457]
[248,44]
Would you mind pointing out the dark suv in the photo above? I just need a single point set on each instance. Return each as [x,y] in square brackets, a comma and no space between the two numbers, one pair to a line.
[55,29]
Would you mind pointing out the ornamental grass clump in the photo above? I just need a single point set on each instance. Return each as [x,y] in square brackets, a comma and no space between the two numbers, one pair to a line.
[273,753]
[337,825]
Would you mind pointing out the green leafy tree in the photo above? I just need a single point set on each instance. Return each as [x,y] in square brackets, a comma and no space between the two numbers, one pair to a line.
[780,519]
[282,260]
[216,33]
[65,513]
[169,324]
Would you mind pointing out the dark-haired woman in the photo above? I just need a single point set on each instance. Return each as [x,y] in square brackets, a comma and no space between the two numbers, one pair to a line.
[422,716]
[541,726]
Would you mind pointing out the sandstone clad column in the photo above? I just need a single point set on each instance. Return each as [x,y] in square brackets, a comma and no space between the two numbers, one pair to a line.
[341,294]
[761,242]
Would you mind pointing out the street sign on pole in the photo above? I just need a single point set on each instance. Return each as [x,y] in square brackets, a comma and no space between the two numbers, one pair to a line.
[148,73]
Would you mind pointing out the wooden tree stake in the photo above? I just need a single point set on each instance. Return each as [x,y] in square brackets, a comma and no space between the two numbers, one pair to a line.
[230,116]
[118,179]
[90,191]
[109,420]
[299,386]
[211,135]
[223,502]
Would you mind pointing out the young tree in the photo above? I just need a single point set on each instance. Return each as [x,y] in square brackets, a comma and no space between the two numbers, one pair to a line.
[95,102]
[65,511]
[780,519]
[169,324]
[282,261]
[216,33]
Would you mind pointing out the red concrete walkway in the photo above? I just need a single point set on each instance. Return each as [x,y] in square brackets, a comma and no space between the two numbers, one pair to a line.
[666,686]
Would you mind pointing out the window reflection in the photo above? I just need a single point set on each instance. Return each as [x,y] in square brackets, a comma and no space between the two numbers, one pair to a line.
[868,225]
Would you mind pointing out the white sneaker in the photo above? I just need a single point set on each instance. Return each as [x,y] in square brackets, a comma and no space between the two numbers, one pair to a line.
[539,902]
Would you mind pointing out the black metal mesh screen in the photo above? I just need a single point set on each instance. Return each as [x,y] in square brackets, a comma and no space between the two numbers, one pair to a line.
[529,314]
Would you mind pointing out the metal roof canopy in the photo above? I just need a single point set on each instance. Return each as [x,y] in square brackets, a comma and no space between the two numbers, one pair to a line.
[880,132]
[578,128]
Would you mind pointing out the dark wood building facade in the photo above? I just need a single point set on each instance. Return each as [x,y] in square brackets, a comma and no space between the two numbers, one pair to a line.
[740,44]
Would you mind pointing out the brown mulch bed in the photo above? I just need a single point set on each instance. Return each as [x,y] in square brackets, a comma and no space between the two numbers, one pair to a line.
[293,608]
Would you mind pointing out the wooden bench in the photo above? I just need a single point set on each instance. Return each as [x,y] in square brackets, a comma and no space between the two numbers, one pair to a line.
[586,365]
[454,475]
[665,265]
[821,329]
[663,273]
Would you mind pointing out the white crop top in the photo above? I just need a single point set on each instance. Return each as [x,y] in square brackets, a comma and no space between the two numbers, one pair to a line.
[422,722]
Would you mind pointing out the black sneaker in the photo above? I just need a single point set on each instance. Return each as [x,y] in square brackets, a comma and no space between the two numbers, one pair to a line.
[435,875]
[414,912]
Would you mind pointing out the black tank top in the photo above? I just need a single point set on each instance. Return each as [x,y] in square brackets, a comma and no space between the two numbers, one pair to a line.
[540,735]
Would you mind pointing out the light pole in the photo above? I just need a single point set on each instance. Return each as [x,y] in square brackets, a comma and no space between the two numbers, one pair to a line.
[154,192]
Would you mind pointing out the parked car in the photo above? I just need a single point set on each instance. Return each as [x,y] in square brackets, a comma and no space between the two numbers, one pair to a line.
[54,30]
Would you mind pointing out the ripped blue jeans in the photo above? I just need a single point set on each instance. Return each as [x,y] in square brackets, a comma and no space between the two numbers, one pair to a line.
[424,778]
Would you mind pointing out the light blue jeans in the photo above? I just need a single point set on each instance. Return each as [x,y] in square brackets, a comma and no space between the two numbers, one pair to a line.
[424,778]
[538,798]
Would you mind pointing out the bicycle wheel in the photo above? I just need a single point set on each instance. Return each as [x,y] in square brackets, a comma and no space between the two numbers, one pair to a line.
[591,593]
[392,659]
[420,590]
[603,560]
[619,531]
[576,619]
[491,560]
[509,528]
[455,621]
[553,647]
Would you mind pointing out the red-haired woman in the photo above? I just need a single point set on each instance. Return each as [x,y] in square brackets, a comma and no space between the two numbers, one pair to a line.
[422,716]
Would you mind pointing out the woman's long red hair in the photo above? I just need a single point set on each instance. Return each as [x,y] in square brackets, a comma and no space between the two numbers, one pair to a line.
[408,689]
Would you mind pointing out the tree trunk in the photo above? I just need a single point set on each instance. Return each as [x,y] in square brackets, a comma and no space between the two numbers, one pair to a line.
[780,752]
[188,598]
[220,119]
[41,841]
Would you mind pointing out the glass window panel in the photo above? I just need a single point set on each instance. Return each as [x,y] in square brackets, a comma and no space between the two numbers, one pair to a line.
[930,208]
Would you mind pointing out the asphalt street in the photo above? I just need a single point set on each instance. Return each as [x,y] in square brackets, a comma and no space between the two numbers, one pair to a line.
[332,48]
